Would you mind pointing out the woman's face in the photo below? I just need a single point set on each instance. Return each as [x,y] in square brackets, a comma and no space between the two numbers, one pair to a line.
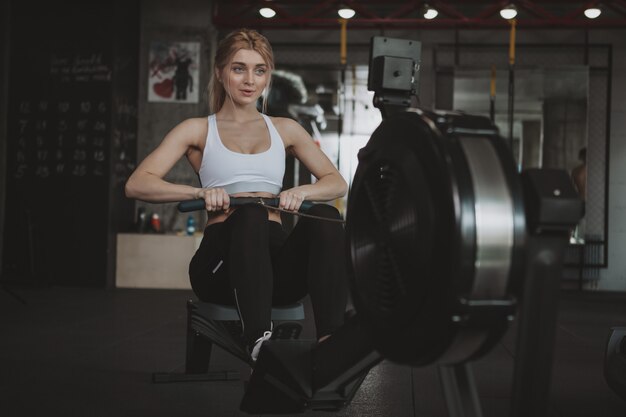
[245,77]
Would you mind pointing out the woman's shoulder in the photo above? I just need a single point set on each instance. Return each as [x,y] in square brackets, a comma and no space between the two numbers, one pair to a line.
[287,127]
[282,121]
[194,128]
[289,130]
[195,124]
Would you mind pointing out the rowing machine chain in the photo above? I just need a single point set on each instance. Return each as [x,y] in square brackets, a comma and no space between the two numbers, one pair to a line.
[295,213]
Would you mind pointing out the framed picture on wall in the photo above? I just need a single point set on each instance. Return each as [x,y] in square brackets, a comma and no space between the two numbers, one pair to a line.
[173,72]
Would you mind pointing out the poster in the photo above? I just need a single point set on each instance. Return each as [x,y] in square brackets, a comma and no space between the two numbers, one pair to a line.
[173,76]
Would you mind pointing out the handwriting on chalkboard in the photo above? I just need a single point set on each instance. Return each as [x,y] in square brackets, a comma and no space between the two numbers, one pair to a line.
[61,138]
[79,68]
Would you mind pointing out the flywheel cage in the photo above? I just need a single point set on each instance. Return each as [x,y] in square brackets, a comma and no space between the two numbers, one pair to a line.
[420,235]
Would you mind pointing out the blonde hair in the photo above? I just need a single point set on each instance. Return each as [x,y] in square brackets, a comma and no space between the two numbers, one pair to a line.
[226,49]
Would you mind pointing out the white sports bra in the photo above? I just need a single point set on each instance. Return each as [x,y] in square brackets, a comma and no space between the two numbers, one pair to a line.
[238,172]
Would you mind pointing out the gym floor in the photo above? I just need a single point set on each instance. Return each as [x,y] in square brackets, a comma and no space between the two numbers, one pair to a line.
[81,352]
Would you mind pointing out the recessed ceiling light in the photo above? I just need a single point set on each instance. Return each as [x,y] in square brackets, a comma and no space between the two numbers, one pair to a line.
[509,12]
[267,12]
[593,12]
[346,13]
[430,13]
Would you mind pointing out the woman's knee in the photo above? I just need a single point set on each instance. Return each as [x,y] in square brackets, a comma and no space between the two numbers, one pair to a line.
[324,210]
[328,232]
[248,227]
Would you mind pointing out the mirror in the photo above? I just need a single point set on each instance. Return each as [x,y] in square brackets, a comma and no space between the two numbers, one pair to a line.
[334,106]
[550,123]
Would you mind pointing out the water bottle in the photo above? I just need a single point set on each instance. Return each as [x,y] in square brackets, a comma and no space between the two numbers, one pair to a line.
[155,223]
[142,221]
[191,225]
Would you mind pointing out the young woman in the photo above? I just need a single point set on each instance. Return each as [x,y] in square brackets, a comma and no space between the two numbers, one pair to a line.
[246,259]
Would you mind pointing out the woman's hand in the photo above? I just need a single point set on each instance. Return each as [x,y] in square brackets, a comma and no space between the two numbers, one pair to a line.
[215,199]
[291,199]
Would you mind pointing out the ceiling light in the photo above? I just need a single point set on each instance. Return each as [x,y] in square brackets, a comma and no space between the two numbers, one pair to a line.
[509,12]
[593,12]
[429,12]
[346,13]
[267,12]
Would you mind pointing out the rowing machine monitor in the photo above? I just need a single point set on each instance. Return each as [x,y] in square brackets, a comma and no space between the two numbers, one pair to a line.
[394,73]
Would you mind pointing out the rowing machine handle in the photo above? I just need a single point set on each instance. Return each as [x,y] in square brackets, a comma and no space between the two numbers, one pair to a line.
[195,205]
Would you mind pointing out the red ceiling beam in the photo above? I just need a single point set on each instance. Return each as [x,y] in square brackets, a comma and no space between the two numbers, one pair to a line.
[361,10]
[404,9]
[618,6]
[319,9]
[535,9]
[580,10]
[280,11]
[314,14]
[470,23]
[450,11]
[492,10]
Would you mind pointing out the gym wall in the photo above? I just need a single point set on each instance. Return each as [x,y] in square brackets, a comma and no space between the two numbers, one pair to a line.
[190,20]
[176,21]
[71,140]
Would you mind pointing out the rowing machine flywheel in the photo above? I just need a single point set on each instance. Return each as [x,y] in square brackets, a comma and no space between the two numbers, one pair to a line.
[436,235]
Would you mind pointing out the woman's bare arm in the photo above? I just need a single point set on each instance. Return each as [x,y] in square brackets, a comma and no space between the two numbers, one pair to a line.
[146,183]
[329,185]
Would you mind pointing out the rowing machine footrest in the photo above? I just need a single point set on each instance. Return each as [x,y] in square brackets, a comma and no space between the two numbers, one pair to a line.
[209,323]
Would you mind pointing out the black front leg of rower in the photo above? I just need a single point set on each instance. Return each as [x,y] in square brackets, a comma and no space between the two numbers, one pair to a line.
[198,351]
[199,347]
[459,390]
[552,211]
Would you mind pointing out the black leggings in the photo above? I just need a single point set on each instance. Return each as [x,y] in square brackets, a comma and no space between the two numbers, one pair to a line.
[250,262]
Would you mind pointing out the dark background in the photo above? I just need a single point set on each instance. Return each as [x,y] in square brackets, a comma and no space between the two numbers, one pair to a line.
[71,140]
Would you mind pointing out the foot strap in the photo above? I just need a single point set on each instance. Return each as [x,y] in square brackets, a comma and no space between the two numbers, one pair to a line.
[286,330]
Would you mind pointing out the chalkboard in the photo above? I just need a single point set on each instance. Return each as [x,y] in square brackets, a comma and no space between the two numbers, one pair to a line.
[59,148]
[57,138]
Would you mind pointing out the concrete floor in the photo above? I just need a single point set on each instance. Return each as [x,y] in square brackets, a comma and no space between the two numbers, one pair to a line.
[84,352]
